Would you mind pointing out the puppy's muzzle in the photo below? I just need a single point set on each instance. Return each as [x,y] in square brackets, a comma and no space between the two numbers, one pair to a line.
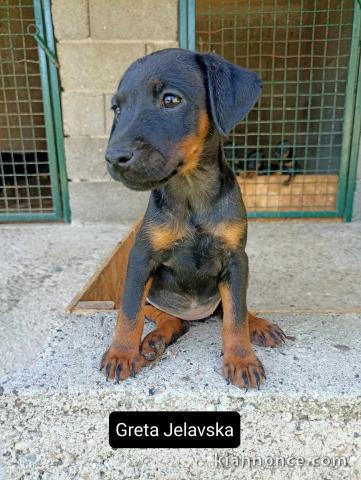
[140,167]
[119,158]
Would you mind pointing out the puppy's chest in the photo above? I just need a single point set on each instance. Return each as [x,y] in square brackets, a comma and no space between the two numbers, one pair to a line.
[197,253]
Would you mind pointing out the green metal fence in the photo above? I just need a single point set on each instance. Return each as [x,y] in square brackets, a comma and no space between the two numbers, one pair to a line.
[33,184]
[295,154]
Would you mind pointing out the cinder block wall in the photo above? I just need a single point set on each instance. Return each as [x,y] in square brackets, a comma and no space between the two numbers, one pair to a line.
[96,41]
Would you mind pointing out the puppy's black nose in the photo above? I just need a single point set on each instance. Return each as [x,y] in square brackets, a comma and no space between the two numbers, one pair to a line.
[119,157]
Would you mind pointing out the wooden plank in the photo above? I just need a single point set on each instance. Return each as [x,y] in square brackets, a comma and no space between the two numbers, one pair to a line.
[96,305]
[107,283]
[84,308]
[295,219]
[305,192]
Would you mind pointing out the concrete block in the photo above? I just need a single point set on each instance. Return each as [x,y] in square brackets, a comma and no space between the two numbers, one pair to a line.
[105,202]
[129,20]
[70,19]
[95,65]
[309,406]
[85,158]
[83,113]
[151,47]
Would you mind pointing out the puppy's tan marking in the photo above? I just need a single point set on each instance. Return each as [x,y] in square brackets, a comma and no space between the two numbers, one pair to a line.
[240,364]
[162,237]
[231,233]
[191,146]
[123,353]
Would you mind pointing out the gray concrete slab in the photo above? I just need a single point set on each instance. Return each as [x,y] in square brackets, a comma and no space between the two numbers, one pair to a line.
[305,266]
[54,416]
[320,363]
[42,266]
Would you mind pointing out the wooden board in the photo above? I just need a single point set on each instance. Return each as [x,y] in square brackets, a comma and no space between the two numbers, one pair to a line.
[107,283]
[265,193]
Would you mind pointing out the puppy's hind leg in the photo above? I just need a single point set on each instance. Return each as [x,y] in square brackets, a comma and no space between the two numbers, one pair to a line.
[264,333]
[168,330]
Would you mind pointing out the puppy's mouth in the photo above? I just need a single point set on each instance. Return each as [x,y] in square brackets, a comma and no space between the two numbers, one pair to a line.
[147,169]
[140,184]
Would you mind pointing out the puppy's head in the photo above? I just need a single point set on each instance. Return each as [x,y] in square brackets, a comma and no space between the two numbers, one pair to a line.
[166,105]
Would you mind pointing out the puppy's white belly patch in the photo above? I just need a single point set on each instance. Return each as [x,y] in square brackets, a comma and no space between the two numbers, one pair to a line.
[193,311]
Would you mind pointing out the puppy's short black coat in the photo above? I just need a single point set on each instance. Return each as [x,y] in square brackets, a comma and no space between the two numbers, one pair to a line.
[171,110]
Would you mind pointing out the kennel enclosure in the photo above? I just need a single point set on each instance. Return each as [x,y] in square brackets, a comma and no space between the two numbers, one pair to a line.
[296,152]
[33,183]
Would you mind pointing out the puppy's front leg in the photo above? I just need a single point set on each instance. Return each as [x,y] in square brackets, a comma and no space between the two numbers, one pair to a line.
[240,364]
[123,358]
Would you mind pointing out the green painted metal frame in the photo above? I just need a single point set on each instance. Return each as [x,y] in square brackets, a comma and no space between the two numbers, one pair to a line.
[348,160]
[48,115]
[57,113]
[356,133]
[187,24]
[352,117]
[53,123]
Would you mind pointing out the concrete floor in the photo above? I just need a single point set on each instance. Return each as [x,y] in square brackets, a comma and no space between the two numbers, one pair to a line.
[54,401]
[42,267]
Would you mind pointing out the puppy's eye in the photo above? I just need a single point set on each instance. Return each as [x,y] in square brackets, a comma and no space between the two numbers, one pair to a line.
[116,110]
[170,100]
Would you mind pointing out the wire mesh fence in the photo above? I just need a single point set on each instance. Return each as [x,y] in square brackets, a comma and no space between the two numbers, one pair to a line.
[288,151]
[25,179]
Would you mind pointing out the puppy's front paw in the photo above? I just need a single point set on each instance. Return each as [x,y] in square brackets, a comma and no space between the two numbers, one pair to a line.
[244,371]
[120,363]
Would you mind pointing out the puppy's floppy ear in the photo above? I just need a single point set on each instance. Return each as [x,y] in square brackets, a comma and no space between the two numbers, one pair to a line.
[231,90]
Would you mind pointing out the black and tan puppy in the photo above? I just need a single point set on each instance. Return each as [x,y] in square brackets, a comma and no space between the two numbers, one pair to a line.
[171,110]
